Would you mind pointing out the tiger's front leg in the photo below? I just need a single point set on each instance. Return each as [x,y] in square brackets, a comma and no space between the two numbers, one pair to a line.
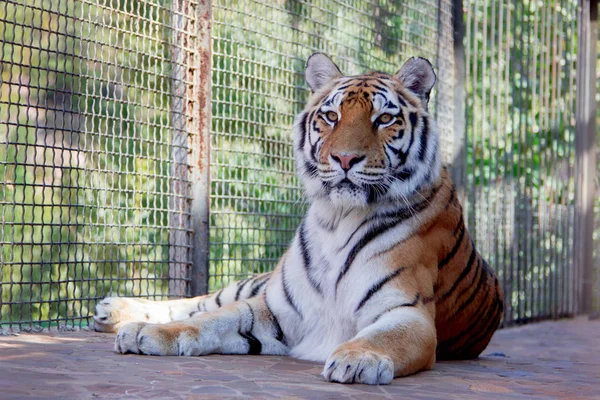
[401,341]
[244,327]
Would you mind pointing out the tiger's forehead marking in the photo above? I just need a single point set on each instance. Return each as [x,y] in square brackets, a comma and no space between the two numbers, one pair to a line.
[374,88]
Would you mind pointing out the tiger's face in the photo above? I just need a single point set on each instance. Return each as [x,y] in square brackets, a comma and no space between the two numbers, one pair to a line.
[368,138]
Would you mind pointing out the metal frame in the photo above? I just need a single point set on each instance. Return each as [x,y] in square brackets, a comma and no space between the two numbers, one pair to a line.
[200,114]
[585,169]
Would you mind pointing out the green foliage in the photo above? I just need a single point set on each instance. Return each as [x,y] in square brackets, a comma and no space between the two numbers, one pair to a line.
[520,147]
[84,158]
[86,119]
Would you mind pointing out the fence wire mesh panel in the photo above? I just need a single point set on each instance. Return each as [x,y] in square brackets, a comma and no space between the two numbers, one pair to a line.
[520,82]
[99,126]
[93,140]
[259,53]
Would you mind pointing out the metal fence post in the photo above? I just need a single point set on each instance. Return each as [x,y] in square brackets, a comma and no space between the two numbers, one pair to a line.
[459,167]
[179,240]
[190,123]
[199,110]
[585,143]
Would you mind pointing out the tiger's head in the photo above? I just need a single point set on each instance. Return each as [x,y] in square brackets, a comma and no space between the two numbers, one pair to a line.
[368,138]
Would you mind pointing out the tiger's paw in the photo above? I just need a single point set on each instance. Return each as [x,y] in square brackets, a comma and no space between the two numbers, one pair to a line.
[174,339]
[114,312]
[358,366]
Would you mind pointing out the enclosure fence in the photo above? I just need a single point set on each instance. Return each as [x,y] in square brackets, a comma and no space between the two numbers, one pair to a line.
[145,146]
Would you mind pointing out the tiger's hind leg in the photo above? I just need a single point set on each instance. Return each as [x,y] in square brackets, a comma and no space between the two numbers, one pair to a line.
[114,312]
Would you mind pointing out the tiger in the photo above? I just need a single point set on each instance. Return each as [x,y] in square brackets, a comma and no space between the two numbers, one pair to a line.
[381,278]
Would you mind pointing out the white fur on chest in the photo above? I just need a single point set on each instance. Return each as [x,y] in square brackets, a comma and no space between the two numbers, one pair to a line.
[329,318]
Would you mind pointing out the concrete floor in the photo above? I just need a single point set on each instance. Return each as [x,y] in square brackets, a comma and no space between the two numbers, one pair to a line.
[546,360]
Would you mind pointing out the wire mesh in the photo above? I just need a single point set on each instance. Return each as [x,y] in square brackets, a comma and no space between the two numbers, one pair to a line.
[91,143]
[95,140]
[521,149]
[259,51]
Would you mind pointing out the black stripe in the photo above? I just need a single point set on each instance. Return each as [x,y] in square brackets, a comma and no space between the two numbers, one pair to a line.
[279,335]
[303,132]
[376,287]
[460,225]
[451,198]
[399,135]
[313,150]
[345,86]
[457,244]
[477,319]
[401,154]
[254,345]
[241,286]
[407,212]
[401,100]
[411,304]
[257,288]
[391,105]
[218,298]
[424,137]
[381,89]
[413,125]
[429,299]
[307,259]
[462,275]
[370,235]
[482,276]
[413,119]
[286,291]
[374,193]
[398,215]
[311,169]
[491,326]
[405,174]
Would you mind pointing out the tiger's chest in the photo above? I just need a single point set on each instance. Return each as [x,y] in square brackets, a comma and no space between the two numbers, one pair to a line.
[331,270]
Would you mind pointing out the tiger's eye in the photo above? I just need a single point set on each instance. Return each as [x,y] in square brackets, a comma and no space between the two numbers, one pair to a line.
[384,118]
[332,116]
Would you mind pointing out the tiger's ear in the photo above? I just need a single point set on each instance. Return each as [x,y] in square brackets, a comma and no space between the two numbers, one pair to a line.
[417,76]
[320,70]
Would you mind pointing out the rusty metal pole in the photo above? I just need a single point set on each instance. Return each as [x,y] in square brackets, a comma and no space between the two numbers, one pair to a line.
[200,107]
[585,153]
[190,186]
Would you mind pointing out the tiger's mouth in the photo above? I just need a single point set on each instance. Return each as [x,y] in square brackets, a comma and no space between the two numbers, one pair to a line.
[346,182]
[356,192]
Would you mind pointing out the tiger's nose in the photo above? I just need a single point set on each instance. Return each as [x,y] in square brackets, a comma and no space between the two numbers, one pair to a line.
[346,160]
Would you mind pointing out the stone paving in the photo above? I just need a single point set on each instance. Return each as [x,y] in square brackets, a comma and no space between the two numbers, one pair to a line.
[546,360]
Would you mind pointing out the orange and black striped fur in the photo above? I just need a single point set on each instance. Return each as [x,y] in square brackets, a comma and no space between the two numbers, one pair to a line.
[381,278]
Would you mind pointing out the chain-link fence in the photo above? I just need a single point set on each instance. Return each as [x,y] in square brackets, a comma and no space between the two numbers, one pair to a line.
[107,108]
[259,52]
[520,149]
[89,107]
